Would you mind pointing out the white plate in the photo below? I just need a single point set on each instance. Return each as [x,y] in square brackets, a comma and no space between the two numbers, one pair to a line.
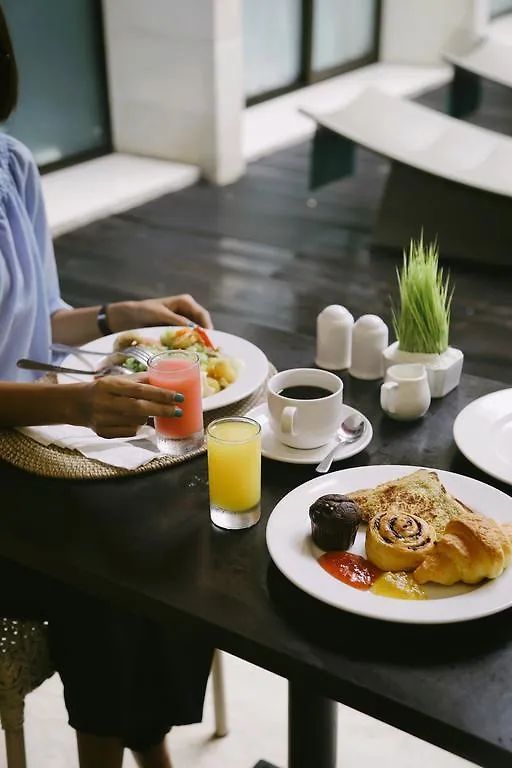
[250,378]
[291,548]
[483,433]
[273,449]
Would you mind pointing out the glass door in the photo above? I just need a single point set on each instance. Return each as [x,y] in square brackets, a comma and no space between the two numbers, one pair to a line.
[292,43]
[272,41]
[63,110]
[344,35]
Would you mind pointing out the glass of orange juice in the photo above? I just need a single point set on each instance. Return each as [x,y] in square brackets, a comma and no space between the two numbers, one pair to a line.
[179,372]
[234,471]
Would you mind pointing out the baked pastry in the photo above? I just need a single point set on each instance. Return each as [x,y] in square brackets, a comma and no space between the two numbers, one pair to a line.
[421,493]
[472,549]
[398,541]
[334,522]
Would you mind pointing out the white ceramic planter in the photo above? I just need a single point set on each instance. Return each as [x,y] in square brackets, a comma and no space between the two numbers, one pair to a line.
[443,371]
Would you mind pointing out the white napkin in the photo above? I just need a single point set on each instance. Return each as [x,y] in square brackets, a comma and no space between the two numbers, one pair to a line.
[127,453]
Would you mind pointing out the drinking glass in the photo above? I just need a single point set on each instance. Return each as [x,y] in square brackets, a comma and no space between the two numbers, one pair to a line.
[179,372]
[234,472]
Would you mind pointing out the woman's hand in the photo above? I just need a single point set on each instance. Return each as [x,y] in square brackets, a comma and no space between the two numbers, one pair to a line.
[170,310]
[116,406]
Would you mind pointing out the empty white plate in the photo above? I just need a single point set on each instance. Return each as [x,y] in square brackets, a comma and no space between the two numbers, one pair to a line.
[483,433]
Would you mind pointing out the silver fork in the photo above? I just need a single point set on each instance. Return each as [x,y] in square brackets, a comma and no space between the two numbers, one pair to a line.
[139,352]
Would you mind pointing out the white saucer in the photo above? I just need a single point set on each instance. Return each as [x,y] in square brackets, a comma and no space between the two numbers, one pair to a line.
[271,448]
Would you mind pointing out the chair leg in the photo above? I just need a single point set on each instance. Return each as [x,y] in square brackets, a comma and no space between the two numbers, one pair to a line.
[12,722]
[219,696]
[15,748]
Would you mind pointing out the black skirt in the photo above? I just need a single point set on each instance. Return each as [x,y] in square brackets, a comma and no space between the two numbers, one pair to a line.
[124,676]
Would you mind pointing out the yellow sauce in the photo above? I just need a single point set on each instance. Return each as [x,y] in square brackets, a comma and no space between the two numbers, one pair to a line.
[399,585]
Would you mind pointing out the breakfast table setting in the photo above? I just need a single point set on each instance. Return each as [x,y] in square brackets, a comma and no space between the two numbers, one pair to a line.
[334,508]
[144,538]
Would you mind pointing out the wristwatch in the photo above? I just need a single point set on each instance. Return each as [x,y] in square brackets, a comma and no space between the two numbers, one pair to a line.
[102,321]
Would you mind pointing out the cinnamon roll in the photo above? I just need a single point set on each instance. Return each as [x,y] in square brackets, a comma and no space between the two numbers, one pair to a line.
[397,541]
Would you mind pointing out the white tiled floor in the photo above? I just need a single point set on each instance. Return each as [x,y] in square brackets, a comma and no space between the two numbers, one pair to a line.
[257,704]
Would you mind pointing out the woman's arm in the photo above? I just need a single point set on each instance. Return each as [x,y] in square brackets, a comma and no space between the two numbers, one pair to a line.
[78,326]
[114,406]
[32,404]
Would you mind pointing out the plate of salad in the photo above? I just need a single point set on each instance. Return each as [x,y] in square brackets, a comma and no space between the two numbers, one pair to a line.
[232,368]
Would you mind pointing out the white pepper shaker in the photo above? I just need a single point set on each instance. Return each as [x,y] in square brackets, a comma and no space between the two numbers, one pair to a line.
[334,338]
[370,338]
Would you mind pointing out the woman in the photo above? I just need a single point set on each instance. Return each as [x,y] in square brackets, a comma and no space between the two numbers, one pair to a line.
[123,682]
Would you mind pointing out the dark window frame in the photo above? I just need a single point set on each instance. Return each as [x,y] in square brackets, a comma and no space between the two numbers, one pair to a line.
[309,76]
[108,146]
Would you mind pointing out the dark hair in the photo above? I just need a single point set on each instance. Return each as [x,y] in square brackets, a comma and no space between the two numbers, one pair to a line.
[8,72]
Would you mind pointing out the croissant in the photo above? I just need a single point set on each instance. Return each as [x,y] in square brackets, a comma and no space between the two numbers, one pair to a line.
[470,550]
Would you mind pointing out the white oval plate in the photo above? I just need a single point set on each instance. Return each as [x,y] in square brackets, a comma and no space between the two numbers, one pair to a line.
[292,550]
[483,433]
[250,378]
[272,448]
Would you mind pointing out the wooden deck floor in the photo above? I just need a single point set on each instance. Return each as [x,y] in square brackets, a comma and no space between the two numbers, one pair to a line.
[266,249]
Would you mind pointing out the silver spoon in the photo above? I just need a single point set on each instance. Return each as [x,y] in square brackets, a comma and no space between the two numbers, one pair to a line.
[349,431]
[108,370]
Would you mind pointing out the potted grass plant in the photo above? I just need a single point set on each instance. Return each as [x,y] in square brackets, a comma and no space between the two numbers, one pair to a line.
[421,321]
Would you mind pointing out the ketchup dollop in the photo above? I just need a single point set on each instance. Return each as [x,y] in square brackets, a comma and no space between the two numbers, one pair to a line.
[351,569]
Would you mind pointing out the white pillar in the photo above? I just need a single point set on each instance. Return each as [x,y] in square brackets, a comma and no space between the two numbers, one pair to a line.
[176,81]
[417,31]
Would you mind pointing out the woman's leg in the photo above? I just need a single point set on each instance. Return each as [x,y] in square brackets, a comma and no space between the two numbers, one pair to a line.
[154,757]
[99,751]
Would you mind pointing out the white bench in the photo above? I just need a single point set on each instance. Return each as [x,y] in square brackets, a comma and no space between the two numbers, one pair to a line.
[448,178]
[487,59]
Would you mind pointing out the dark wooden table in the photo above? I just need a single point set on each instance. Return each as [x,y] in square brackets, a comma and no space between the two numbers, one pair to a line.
[147,542]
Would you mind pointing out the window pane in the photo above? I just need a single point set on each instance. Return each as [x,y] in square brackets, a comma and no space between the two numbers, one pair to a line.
[272,43]
[343,30]
[500,6]
[62,110]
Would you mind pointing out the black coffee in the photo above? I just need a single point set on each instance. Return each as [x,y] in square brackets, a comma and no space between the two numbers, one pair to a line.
[305,392]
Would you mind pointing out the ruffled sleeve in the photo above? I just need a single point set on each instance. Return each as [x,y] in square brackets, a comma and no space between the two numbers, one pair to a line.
[26,178]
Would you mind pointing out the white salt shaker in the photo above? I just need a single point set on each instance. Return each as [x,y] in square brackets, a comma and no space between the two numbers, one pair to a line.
[334,338]
[370,337]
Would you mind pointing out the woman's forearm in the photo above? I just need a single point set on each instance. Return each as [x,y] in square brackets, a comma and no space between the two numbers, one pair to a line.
[33,404]
[78,326]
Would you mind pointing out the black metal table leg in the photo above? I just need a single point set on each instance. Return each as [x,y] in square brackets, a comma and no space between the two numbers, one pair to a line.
[312,731]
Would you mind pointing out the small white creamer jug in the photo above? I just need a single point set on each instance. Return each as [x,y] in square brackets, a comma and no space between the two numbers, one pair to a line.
[405,394]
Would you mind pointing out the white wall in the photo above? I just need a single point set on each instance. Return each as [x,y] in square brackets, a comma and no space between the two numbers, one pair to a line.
[175,79]
[417,31]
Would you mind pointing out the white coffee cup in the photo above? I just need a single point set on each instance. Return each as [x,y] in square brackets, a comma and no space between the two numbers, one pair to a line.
[405,394]
[299,421]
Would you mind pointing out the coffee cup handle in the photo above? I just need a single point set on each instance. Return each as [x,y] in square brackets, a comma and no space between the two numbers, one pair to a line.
[387,396]
[287,419]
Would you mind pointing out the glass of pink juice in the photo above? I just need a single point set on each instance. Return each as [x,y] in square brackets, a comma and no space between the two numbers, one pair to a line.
[179,372]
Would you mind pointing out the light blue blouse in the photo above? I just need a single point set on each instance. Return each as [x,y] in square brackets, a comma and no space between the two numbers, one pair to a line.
[29,286]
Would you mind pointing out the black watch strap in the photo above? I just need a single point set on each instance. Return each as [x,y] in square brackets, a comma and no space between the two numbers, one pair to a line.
[102,321]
